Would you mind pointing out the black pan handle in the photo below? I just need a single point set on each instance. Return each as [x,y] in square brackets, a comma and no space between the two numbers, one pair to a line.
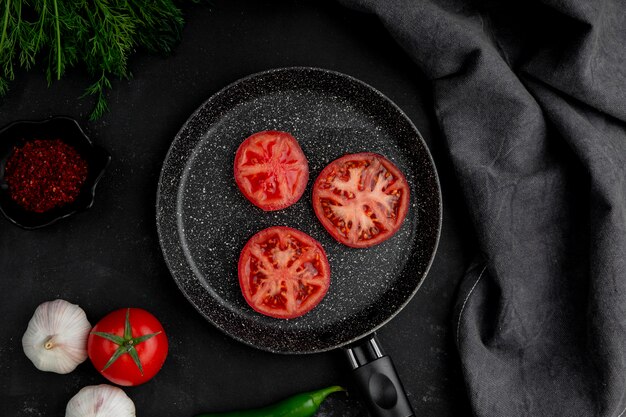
[377,380]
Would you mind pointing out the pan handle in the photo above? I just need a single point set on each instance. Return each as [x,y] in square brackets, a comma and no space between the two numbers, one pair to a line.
[377,380]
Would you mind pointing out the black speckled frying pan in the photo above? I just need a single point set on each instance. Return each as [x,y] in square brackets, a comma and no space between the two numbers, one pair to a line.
[204,221]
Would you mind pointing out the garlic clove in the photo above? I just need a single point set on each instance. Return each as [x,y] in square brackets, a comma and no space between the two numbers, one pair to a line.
[100,401]
[56,337]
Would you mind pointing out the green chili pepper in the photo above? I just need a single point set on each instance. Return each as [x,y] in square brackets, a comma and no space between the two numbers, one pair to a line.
[305,404]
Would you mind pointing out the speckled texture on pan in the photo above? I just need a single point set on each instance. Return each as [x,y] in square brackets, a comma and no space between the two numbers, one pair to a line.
[204,221]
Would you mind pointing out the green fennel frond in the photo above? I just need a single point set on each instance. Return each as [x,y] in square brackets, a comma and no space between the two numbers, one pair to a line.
[99,35]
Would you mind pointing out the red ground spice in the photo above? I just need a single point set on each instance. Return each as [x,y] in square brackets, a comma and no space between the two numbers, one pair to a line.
[44,174]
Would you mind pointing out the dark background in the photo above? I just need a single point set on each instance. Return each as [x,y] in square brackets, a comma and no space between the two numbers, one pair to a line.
[109,257]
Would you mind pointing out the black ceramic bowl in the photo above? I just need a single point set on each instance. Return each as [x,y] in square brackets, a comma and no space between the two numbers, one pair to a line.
[17,134]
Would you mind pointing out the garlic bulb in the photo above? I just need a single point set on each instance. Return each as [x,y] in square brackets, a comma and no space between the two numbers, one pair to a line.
[56,338]
[100,401]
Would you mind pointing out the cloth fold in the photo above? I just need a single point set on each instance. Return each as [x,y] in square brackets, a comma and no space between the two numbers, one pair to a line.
[531,100]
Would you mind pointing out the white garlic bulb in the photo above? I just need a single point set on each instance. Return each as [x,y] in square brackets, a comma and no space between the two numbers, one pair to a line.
[56,338]
[100,401]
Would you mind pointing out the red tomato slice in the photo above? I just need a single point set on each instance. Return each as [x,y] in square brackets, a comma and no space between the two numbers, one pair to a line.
[361,199]
[283,272]
[271,170]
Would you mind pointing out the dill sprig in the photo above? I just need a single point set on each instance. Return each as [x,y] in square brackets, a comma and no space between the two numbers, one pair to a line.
[97,34]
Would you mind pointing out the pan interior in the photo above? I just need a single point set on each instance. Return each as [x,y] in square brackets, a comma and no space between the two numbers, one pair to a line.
[204,221]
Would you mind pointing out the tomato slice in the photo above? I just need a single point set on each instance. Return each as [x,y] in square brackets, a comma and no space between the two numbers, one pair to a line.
[283,272]
[361,199]
[271,170]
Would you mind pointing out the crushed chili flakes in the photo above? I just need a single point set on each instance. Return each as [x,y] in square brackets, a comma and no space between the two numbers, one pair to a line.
[44,174]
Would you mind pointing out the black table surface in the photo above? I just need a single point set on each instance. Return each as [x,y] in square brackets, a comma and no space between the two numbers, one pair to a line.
[109,256]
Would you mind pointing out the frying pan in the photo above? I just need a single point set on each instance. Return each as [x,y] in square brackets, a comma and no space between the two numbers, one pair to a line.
[203,220]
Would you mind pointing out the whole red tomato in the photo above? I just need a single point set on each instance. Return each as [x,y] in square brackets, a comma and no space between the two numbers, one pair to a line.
[128,346]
